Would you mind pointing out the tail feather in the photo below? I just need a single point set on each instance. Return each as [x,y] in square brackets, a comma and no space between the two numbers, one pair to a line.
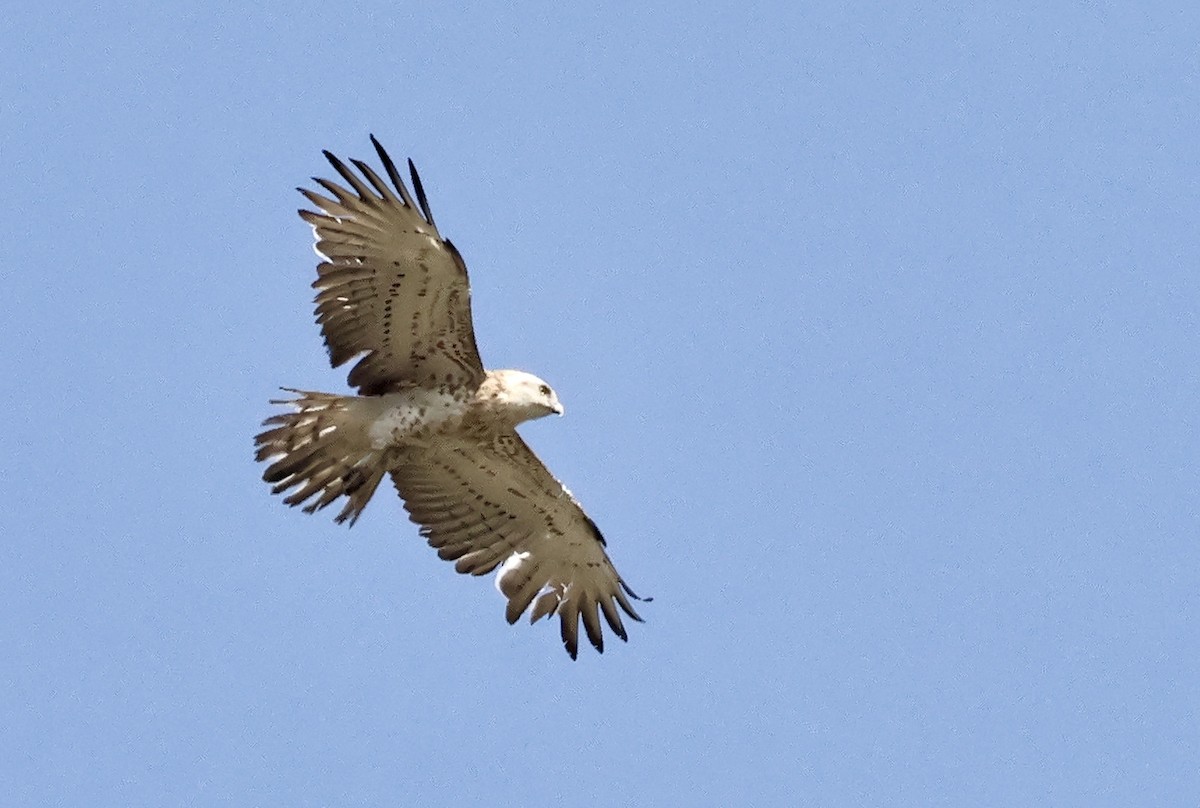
[322,450]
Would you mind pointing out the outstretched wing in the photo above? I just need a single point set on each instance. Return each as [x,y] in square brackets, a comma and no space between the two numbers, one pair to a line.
[495,504]
[390,287]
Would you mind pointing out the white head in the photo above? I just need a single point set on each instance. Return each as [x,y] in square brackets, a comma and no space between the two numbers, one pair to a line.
[521,395]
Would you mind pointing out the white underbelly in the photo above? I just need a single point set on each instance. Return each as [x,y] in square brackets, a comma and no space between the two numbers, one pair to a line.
[413,415]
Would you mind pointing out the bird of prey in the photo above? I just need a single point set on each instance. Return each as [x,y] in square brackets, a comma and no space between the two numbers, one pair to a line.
[393,292]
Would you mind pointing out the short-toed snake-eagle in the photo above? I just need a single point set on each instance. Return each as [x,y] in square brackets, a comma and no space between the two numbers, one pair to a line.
[393,293]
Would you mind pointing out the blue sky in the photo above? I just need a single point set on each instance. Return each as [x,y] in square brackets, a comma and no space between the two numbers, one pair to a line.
[876,329]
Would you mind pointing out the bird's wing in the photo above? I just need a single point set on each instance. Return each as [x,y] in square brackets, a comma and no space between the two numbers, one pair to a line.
[489,504]
[390,288]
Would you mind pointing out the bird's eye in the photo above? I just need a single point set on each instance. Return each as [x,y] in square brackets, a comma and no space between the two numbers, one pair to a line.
[544,389]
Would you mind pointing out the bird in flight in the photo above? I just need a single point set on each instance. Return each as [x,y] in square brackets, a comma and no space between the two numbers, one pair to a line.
[394,294]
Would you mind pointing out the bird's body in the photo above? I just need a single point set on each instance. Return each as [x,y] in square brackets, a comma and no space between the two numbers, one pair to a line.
[418,416]
[394,294]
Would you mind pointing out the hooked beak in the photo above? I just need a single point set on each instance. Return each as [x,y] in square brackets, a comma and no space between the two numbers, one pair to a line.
[557,409]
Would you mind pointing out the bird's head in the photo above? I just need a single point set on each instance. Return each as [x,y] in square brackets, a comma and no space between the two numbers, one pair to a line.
[521,394]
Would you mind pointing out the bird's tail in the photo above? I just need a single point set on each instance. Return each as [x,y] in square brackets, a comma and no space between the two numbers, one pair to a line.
[323,450]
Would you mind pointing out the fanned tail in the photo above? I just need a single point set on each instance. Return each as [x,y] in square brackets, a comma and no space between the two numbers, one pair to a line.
[321,449]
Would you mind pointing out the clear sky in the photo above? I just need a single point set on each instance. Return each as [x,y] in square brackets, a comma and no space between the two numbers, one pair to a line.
[876,329]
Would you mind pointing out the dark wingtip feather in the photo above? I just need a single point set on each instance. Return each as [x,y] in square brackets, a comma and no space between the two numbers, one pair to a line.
[348,175]
[614,618]
[633,594]
[420,189]
[569,621]
[393,174]
[591,623]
